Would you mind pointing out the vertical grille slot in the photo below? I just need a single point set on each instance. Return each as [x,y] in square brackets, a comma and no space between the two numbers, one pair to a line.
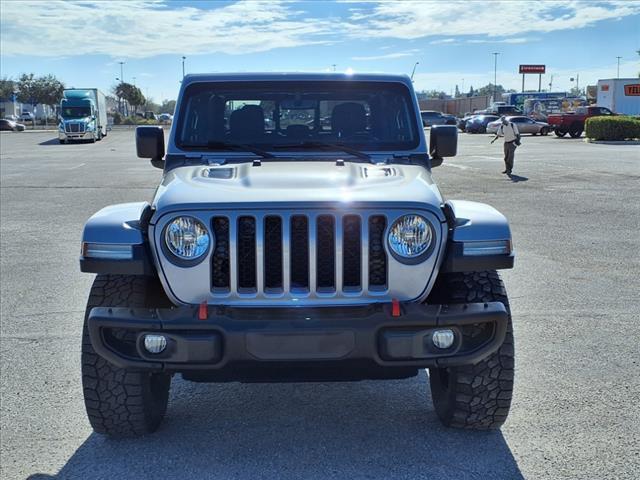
[246,254]
[326,253]
[220,257]
[351,253]
[273,254]
[299,254]
[377,255]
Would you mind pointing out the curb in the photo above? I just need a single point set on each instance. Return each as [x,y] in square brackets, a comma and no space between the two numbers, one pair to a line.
[613,142]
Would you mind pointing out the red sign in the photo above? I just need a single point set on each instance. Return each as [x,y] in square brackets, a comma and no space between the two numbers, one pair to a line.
[533,68]
[632,90]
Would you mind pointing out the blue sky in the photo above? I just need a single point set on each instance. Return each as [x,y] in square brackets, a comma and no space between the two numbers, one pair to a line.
[82,42]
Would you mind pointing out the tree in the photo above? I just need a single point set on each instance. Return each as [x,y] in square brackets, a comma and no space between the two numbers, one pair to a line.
[7,89]
[168,106]
[457,94]
[50,90]
[488,90]
[435,94]
[130,93]
[44,90]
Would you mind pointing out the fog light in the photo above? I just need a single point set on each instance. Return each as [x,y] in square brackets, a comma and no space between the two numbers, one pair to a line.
[443,338]
[155,343]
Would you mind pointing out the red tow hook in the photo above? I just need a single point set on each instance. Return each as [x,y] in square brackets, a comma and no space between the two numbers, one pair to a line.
[203,311]
[395,308]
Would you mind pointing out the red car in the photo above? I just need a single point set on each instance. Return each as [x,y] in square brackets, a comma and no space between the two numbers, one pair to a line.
[573,122]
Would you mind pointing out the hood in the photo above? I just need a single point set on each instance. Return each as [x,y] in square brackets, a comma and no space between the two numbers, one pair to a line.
[299,182]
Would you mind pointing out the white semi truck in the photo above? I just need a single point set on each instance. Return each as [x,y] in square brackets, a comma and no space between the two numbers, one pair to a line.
[83,115]
[620,95]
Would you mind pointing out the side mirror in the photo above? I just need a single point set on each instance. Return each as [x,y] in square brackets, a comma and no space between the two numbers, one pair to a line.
[150,144]
[443,142]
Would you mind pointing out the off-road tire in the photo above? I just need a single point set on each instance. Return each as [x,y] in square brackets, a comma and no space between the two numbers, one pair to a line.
[121,403]
[560,133]
[474,396]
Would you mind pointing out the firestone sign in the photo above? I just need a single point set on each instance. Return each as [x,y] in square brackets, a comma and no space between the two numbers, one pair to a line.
[532,69]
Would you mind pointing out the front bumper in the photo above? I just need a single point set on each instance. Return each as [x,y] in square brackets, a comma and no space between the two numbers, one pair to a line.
[76,136]
[216,338]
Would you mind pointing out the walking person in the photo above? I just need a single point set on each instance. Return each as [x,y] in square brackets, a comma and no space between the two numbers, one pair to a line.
[511,135]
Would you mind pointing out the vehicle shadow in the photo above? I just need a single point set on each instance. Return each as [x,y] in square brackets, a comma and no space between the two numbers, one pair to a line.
[314,430]
[517,178]
[53,141]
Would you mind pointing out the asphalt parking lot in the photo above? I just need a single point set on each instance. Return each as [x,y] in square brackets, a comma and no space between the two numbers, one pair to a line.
[575,214]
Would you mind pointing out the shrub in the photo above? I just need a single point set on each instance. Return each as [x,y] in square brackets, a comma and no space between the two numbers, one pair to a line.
[117,118]
[612,128]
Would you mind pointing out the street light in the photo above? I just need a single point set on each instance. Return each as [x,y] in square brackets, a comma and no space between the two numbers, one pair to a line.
[495,73]
[414,70]
[618,74]
[183,59]
[121,71]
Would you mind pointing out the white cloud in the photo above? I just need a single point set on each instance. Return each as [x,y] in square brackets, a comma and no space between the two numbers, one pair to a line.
[145,28]
[387,56]
[417,19]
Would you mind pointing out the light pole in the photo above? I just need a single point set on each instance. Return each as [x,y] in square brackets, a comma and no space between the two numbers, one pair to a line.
[618,74]
[414,70]
[121,71]
[495,73]
[183,59]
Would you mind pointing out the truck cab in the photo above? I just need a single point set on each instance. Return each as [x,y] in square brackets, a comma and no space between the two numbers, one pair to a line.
[82,116]
[297,234]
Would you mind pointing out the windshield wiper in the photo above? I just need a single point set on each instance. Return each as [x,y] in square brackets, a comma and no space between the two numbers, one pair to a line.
[233,146]
[327,146]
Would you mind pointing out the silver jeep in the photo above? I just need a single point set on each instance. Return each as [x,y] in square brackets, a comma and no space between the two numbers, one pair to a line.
[297,235]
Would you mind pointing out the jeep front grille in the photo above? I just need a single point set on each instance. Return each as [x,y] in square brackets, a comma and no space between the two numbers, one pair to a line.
[321,254]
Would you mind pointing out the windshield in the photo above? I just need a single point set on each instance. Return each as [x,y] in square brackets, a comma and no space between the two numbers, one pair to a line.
[76,112]
[302,115]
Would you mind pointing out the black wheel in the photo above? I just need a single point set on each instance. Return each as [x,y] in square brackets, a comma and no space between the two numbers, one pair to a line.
[119,402]
[474,396]
[544,131]
[575,131]
[560,133]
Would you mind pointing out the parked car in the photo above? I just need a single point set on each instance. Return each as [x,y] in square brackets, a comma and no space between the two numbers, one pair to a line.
[462,122]
[524,124]
[6,124]
[165,117]
[249,265]
[478,123]
[573,122]
[27,117]
[432,117]
[149,115]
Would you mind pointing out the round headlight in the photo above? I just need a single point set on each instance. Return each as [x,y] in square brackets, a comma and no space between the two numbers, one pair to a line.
[187,238]
[410,236]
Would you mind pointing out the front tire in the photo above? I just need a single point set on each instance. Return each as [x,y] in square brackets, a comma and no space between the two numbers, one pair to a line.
[560,133]
[475,396]
[121,403]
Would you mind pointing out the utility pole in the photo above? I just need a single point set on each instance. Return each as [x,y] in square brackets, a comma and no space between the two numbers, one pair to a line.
[551,84]
[183,59]
[414,70]
[495,73]
[121,72]
[618,74]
